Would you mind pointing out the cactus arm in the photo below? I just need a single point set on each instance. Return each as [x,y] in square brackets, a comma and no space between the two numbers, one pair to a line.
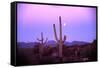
[46,41]
[55,34]
[42,37]
[60,35]
[64,38]
[60,24]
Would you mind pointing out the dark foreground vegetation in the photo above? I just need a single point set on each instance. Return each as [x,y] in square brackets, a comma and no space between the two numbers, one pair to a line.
[75,53]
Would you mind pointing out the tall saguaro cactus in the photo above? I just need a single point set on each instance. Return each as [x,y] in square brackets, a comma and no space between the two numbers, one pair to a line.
[42,42]
[60,41]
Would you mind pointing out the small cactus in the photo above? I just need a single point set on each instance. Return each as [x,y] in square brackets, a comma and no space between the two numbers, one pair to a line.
[42,43]
[42,39]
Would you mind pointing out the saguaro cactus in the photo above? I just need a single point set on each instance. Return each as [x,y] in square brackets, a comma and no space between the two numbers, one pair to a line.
[42,42]
[60,41]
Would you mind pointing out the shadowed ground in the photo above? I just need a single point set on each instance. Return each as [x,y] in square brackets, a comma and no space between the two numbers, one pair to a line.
[75,53]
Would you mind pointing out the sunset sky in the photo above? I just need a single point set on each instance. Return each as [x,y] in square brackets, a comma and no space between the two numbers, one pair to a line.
[78,23]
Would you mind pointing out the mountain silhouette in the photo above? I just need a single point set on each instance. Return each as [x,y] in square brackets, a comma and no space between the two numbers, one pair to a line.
[27,45]
[75,43]
[49,43]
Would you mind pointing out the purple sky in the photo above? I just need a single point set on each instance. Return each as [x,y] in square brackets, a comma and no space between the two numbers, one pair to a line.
[79,23]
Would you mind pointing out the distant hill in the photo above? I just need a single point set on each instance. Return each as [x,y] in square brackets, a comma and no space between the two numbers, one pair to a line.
[49,43]
[27,45]
[75,43]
